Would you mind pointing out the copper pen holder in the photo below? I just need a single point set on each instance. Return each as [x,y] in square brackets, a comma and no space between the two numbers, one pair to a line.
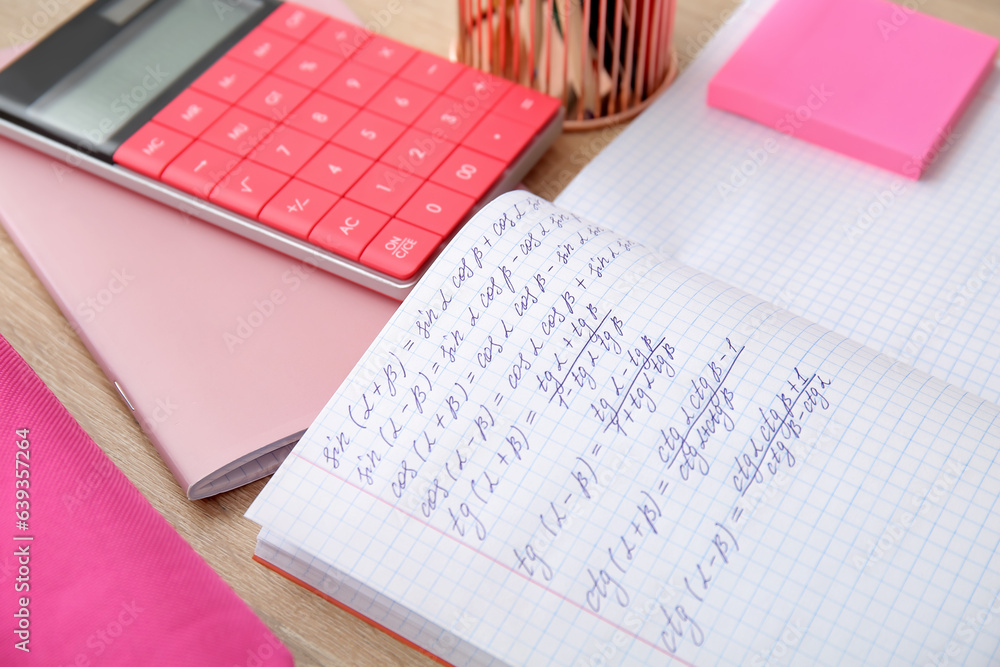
[605,59]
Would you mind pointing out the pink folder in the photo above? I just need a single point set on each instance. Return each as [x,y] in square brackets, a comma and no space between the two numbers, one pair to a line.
[871,79]
[92,574]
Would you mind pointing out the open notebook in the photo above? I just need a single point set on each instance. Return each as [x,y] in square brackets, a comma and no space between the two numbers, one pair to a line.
[565,448]
[568,448]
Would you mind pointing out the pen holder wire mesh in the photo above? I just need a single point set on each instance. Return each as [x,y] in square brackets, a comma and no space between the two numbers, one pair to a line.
[606,59]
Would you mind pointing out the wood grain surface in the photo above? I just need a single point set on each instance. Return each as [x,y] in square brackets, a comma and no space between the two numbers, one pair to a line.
[316,632]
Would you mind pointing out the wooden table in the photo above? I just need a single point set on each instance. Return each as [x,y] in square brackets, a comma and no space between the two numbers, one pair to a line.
[317,632]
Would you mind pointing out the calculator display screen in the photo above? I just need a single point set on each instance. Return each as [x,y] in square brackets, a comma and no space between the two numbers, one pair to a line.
[113,85]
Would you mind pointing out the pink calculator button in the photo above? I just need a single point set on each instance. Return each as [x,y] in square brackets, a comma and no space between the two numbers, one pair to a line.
[228,80]
[500,137]
[473,84]
[293,20]
[451,119]
[273,97]
[468,172]
[321,116]
[369,134]
[238,131]
[286,150]
[384,188]
[436,209]
[400,249]
[354,84]
[431,71]
[151,149]
[401,101]
[417,152]
[348,228]
[247,188]
[308,66]
[199,168]
[262,48]
[527,106]
[191,112]
[384,54]
[297,208]
[335,169]
[339,38]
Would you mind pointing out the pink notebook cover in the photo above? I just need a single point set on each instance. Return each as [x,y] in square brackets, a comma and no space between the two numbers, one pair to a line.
[867,78]
[225,350]
[91,573]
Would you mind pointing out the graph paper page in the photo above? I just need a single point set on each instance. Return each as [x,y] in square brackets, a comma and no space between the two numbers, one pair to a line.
[563,449]
[909,268]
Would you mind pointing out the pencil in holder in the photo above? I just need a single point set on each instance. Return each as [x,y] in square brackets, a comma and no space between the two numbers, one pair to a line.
[606,59]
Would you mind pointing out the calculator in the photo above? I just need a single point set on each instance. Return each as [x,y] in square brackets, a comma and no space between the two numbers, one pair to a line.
[318,138]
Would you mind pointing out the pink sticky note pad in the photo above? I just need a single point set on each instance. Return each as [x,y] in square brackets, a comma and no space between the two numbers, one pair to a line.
[867,78]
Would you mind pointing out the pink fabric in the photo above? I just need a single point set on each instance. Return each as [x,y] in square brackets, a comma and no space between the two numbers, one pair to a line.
[103,579]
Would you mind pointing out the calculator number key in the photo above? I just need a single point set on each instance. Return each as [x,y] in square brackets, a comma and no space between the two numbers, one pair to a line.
[468,172]
[436,209]
[335,169]
[286,150]
[418,153]
[354,84]
[450,119]
[321,116]
[369,134]
[308,66]
[384,188]
[401,101]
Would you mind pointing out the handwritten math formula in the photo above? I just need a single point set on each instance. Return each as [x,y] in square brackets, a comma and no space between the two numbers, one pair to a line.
[513,390]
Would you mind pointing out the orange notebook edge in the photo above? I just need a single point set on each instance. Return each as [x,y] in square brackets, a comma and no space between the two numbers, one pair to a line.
[349,610]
